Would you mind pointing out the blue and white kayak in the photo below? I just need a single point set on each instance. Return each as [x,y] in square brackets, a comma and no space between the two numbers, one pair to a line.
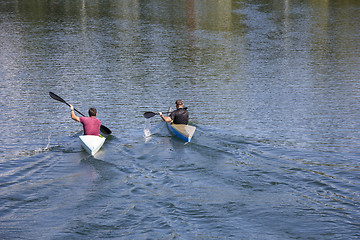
[182,131]
[92,143]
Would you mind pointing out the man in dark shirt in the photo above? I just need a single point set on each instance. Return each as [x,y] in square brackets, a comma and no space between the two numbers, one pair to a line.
[179,116]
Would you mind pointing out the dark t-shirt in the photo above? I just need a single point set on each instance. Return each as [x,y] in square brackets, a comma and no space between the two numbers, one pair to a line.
[180,116]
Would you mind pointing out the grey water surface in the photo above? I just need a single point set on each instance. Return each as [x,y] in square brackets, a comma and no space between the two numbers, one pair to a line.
[273,88]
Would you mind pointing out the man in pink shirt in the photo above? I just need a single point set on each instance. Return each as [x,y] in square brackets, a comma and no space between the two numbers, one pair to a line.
[91,124]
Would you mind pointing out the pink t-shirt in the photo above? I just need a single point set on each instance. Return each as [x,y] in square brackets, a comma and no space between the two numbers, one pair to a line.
[91,125]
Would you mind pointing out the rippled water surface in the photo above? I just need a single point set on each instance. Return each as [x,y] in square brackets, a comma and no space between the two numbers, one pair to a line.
[273,88]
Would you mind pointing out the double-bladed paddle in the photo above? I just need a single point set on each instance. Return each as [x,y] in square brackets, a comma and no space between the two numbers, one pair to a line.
[103,129]
[151,114]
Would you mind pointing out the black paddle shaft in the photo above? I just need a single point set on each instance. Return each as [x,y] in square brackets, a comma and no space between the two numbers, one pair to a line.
[56,97]
[103,129]
[151,114]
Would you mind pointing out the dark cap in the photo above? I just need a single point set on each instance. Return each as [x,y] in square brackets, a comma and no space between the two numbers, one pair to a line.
[179,102]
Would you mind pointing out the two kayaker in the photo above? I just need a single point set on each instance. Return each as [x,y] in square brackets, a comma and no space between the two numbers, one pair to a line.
[179,116]
[91,124]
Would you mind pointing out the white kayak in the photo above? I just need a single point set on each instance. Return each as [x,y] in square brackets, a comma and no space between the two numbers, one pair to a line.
[92,143]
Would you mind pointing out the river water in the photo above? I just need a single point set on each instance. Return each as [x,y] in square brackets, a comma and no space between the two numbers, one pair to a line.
[273,88]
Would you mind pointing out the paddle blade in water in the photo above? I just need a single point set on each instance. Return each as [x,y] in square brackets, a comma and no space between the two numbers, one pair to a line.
[105,130]
[149,114]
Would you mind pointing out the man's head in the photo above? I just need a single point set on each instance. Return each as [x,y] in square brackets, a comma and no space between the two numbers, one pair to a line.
[179,104]
[92,112]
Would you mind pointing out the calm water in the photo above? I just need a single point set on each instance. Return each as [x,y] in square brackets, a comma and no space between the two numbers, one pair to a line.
[273,88]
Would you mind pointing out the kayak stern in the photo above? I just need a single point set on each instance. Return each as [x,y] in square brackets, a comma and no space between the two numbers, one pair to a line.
[92,143]
[182,131]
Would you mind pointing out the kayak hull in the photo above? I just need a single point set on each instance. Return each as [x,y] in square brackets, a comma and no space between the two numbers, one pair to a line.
[92,143]
[182,131]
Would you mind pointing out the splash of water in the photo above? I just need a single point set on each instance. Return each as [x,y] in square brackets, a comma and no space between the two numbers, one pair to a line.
[147,127]
[48,145]
[43,149]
